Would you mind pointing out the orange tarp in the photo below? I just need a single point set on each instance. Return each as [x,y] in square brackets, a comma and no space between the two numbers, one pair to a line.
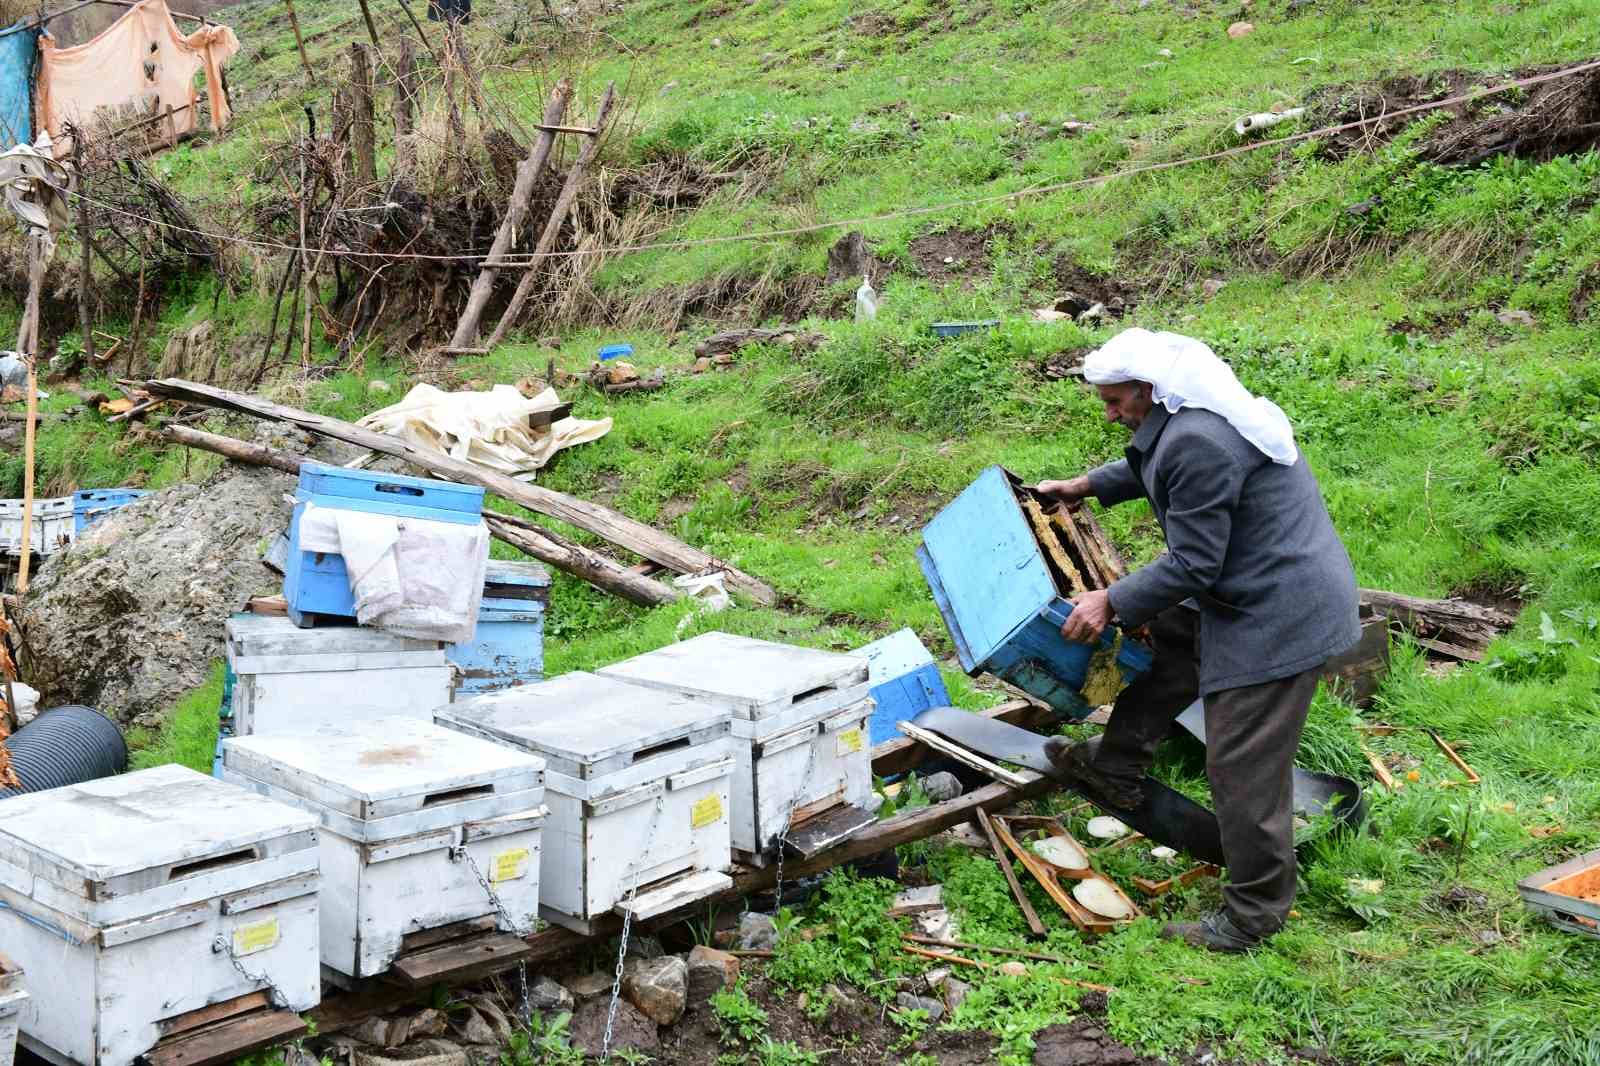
[138,67]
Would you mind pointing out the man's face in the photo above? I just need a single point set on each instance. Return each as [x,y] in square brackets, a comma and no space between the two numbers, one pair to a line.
[1126,402]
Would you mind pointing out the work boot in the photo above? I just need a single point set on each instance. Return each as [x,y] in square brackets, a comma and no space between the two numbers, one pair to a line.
[1214,932]
[1074,760]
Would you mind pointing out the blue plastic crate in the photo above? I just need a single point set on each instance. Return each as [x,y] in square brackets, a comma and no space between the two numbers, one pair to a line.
[508,647]
[613,351]
[91,505]
[905,682]
[956,329]
[992,586]
[316,583]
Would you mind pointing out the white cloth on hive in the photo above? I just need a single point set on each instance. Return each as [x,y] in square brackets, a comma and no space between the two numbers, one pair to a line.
[489,429]
[1187,373]
[415,577]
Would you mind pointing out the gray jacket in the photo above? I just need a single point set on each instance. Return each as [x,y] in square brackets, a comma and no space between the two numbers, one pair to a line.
[1249,540]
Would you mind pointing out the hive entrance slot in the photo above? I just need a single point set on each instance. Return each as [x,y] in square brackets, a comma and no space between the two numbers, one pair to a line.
[400,490]
[215,862]
[456,795]
[801,697]
[660,749]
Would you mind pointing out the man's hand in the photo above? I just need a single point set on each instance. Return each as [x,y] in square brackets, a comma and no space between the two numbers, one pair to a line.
[1091,613]
[1069,492]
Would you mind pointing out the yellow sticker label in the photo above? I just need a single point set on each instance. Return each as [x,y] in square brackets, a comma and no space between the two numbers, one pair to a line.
[706,812]
[509,865]
[257,936]
[851,741]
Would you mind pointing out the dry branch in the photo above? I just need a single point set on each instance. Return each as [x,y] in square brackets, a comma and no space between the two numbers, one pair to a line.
[603,522]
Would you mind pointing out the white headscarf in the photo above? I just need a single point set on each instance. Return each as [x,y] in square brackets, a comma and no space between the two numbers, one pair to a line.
[1186,373]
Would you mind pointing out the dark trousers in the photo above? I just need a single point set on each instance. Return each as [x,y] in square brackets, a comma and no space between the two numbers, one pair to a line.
[1252,734]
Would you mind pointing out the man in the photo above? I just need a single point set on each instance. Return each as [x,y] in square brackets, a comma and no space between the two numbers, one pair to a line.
[1254,593]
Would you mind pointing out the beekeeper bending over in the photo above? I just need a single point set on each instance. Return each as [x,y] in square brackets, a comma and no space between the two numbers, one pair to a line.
[1254,593]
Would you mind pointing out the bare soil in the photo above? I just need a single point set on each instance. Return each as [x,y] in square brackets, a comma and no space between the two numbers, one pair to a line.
[967,252]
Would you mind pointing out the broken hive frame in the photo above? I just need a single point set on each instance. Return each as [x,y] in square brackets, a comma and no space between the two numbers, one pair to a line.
[1050,877]
[1387,779]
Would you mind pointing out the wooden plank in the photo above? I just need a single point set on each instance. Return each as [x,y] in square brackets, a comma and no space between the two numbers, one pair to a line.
[225,1043]
[904,754]
[1160,888]
[603,522]
[460,961]
[216,1012]
[428,938]
[967,758]
[1023,903]
[1045,534]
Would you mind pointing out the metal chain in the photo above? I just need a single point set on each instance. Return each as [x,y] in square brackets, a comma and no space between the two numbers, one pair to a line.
[221,946]
[506,917]
[627,923]
[788,817]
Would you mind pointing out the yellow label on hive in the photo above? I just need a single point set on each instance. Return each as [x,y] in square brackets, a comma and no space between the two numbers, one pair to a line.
[850,742]
[508,865]
[257,936]
[706,811]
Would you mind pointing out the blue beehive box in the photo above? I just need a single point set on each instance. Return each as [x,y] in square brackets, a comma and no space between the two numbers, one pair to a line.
[1000,602]
[508,647]
[905,682]
[316,583]
[91,505]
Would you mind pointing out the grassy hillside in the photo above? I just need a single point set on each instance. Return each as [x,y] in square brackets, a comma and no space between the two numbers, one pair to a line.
[1363,287]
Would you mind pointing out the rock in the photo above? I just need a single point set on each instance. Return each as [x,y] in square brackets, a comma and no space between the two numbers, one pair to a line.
[756,932]
[631,1030]
[377,385]
[547,996]
[658,987]
[429,1052]
[1165,53]
[590,985]
[934,1008]
[471,1028]
[645,947]
[494,1016]
[936,924]
[383,1032]
[1240,29]
[936,977]
[965,835]
[710,971]
[131,615]
[429,1022]
[955,992]
[669,86]
[1515,318]
[941,786]
[1012,969]
[1211,286]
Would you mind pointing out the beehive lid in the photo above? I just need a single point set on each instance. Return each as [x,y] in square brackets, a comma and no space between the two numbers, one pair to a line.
[988,564]
[583,718]
[145,820]
[354,767]
[893,656]
[255,635]
[752,678]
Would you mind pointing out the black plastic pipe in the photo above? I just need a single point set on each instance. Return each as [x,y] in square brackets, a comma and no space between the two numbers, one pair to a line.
[65,746]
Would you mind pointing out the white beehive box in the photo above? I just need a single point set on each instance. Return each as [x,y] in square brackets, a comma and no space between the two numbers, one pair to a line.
[13,994]
[411,815]
[135,899]
[52,526]
[637,785]
[799,726]
[290,680]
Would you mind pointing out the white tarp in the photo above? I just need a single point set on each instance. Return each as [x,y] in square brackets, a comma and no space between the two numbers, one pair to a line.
[414,577]
[487,428]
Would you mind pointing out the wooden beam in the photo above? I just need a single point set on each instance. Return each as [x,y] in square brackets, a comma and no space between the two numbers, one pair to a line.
[603,522]
[528,172]
[548,547]
[558,215]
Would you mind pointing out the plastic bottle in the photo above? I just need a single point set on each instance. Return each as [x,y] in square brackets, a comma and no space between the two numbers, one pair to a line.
[866,301]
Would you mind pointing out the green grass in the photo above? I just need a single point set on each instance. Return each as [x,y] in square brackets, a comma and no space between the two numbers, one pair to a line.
[1455,451]
[189,737]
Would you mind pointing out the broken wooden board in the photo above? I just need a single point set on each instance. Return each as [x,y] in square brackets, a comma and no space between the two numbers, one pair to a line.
[1024,904]
[227,1038]
[1012,831]
[822,831]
